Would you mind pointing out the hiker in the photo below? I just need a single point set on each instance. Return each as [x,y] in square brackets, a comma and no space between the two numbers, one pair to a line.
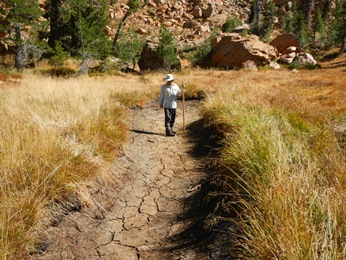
[167,101]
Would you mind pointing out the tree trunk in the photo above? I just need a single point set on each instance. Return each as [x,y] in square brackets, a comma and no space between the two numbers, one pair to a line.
[55,22]
[257,11]
[123,21]
[18,58]
[120,28]
[309,12]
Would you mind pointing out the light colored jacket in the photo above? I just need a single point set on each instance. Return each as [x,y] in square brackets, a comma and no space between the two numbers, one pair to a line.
[168,95]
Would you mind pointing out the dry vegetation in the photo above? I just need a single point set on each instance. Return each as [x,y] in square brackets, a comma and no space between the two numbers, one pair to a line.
[56,135]
[283,170]
[283,163]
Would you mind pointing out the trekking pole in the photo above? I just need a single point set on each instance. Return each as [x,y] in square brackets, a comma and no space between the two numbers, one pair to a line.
[183,85]
[183,107]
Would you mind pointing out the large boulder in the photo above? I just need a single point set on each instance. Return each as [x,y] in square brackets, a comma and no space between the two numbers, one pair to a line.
[232,50]
[284,41]
[149,60]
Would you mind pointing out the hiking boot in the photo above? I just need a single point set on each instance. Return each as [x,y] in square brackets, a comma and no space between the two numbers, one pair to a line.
[170,134]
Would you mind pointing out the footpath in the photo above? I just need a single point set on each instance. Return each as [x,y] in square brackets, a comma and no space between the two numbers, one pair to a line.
[143,212]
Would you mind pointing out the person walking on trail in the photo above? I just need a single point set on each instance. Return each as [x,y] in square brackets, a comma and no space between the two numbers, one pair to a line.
[167,101]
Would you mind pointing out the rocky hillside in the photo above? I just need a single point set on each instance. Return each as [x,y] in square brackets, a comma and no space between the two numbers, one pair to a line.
[192,21]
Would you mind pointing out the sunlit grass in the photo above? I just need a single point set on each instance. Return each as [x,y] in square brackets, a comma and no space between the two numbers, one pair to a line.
[55,135]
[279,149]
[282,163]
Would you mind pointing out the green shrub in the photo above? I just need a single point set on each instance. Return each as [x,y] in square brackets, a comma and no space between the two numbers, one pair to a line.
[230,24]
[201,51]
[59,72]
[300,65]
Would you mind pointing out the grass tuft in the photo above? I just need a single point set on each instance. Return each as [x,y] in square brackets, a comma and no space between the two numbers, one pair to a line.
[283,173]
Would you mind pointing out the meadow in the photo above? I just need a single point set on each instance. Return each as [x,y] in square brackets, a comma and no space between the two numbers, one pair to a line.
[280,162]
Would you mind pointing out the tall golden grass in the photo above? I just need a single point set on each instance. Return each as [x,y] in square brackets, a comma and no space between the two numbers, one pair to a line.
[282,158]
[55,135]
[282,164]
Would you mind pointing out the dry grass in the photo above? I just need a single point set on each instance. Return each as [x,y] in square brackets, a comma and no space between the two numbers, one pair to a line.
[284,166]
[56,134]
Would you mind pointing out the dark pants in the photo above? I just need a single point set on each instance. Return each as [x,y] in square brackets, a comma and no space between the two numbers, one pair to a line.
[169,119]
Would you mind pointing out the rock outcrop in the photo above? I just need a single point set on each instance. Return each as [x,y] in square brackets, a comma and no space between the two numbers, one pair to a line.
[289,50]
[284,41]
[232,50]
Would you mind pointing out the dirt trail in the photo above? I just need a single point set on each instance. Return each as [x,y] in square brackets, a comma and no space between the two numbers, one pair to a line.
[140,216]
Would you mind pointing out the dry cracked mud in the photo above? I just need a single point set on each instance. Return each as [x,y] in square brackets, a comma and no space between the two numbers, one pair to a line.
[140,215]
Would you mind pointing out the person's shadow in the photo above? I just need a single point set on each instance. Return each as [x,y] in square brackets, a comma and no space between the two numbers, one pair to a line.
[145,132]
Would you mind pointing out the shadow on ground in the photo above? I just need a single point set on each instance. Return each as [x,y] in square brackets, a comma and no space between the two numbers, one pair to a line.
[203,209]
[145,132]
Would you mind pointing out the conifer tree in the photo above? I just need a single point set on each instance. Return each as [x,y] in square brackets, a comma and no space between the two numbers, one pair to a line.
[267,25]
[59,56]
[129,47]
[295,23]
[319,27]
[81,29]
[53,12]
[134,6]
[167,48]
[339,25]
[20,14]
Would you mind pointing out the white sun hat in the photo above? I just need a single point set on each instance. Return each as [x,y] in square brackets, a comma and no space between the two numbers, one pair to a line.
[169,77]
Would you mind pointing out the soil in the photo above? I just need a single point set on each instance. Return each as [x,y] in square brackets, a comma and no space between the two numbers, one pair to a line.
[150,209]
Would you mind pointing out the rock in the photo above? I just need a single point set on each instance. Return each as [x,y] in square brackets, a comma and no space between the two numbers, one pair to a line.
[274,65]
[109,31]
[249,65]
[205,28]
[290,49]
[281,2]
[305,58]
[231,50]
[197,12]
[142,31]
[190,25]
[208,12]
[287,58]
[3,34]
[150,61]
[283,41]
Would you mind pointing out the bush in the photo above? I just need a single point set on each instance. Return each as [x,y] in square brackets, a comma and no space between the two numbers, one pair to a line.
[299,65]
[230,24]
[201,51]
[59,72]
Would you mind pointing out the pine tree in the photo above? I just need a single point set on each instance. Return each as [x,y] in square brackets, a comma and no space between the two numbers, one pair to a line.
[134,6]
[53,12]
[129,47]
[295,23]
[81,29]
[20,14]
[167,48]
[319,28]
[267,25]
[339,25]
[59,56]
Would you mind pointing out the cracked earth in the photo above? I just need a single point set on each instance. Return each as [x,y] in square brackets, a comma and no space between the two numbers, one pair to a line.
[138,215]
